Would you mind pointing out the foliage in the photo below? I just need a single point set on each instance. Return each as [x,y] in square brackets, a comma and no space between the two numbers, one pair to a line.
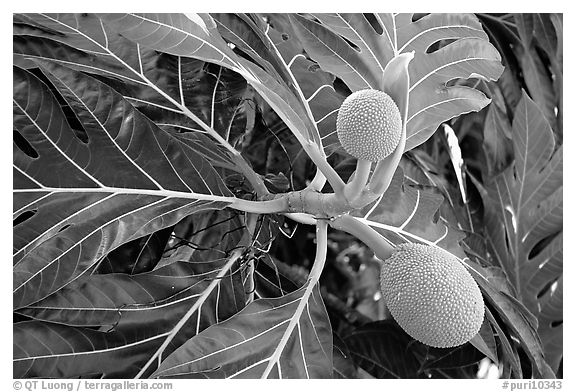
[167,169]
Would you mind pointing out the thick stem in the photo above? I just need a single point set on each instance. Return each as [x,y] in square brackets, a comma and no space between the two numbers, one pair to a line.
[273,206]
[353,189]
[299,217]
[318,181]
[364,233]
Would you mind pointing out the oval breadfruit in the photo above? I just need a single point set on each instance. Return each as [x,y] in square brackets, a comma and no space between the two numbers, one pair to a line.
[369,125]
[431,295]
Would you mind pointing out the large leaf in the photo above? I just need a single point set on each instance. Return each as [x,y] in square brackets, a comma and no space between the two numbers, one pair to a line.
[196,36]
[523,214]
[73,199]
[519,322]
[283,337]
[166,88]
[407,213]
[57,351]
[357,50]
[257,339]
[144,316]
[154,300]
[538,29]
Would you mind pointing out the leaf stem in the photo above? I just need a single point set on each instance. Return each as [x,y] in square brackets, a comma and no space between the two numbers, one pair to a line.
[386,168]
[374,240]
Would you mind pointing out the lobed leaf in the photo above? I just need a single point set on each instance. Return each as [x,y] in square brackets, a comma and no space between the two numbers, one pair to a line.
[128,171]
[523,215]
[357,48]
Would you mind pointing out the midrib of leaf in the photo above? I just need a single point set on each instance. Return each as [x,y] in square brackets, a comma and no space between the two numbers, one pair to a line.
[237,344]
[296,87]
[197,305]
[64,62]
[39,271]
[115,309]
[163,194]
[119,191]
[431,106]
[213,103]
[314,277]
[204,42]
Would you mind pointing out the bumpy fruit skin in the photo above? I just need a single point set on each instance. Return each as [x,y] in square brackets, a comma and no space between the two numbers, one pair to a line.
[432,296]
[369,125]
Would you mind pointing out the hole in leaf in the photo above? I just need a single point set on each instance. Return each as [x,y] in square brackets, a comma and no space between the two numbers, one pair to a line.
[75,124]
[508,245]
[23,145]
[313,68]
[371,18]
[418,16]
[24,217]
[541,245]
[341,87]
[285,37]
[439,45]
[63,228]
[546,289]
[351,44]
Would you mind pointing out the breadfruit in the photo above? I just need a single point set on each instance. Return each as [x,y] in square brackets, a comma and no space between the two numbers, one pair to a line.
[431,295]
[369,125]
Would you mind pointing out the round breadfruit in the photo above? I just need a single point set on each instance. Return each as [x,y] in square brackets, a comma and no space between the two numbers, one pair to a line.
[431,295]
[369,125]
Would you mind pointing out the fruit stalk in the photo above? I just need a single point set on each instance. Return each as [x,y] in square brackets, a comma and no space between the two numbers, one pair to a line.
[358,180]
